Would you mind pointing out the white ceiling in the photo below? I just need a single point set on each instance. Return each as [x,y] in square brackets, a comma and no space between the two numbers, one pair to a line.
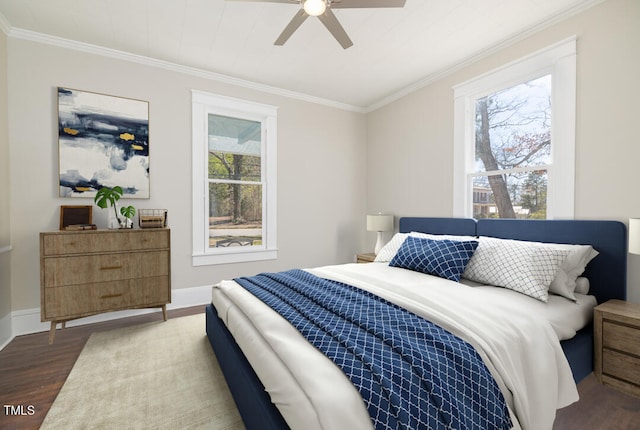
[394,49]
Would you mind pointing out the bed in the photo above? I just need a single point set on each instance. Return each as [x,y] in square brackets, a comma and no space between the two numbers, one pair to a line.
[606,274]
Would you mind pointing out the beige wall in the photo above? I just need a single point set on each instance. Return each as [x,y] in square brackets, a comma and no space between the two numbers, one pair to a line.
[5,231]
[410,142]
[334,166]
[321,171]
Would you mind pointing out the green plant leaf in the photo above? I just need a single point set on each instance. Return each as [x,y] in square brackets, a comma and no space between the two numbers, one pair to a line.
[107,195]
[128,211]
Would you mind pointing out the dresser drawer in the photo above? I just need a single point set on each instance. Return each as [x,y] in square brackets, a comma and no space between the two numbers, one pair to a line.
[86,299]
[621,337]
[86,269]
[621,366]
[104,241]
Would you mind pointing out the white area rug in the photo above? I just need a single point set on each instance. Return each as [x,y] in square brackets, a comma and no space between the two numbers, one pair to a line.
[161,375]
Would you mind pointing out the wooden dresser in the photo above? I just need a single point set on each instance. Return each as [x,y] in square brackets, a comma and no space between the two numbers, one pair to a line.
[84,273]
[617,345]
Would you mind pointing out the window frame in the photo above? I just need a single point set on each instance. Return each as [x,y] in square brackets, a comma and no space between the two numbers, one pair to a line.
[558,60]
[204,104]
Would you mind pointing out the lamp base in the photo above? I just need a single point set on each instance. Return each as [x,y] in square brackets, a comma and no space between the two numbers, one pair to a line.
[379,243]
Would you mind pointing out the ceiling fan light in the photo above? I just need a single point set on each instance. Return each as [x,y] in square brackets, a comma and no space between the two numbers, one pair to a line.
[315,7]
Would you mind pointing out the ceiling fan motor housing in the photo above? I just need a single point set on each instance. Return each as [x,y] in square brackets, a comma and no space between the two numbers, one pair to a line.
[322,10]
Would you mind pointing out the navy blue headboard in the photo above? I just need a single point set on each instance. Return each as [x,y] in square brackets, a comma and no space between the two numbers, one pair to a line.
[455,226]
[607,273]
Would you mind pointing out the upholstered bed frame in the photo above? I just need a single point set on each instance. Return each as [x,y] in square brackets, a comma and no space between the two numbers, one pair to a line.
[607,274]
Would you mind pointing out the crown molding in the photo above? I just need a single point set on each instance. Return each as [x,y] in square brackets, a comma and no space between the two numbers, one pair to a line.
[507,42]
[5,27]
[60,42]
[218,77]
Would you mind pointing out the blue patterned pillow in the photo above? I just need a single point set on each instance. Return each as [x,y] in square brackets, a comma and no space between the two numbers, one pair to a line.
[444,258]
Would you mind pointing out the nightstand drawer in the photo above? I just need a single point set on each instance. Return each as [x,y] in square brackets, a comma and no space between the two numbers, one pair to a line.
[621,337]
[616,360]
[621,366]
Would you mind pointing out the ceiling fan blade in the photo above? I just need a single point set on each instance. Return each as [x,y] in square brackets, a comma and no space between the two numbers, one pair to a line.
[344,4]
[293,25]
[333,25]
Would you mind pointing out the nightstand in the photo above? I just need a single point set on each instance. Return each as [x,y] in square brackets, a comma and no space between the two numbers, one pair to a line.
[617,345]
[365,258]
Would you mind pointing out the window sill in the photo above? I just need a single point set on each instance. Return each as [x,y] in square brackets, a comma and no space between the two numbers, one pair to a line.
[234,257]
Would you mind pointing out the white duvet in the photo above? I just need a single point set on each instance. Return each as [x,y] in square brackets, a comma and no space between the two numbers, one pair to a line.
[521,350]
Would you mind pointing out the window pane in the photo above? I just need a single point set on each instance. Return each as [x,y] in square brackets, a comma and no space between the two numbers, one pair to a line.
[235,215]
[235,148]
[526,195]
[513,127]
[513,131]
[236,167]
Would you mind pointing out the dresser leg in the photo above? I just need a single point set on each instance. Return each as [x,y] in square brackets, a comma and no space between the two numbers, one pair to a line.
[164,312]
[52,331]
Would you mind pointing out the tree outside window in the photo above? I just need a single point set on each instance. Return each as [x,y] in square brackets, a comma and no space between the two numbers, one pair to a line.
[235,181]
[513,151]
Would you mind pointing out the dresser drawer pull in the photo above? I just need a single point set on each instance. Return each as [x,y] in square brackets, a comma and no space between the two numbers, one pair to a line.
[111,296]
[111,267]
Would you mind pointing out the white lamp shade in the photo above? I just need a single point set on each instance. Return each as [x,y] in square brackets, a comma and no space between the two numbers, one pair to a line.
[379,222]
[634,235]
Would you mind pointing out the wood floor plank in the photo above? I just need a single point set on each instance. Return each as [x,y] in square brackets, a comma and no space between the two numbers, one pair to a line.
[32,373]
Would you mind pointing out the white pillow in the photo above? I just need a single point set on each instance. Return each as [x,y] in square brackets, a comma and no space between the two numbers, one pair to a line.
[564,284]
[390,250]
[579,256]
[516,265]
[582,285]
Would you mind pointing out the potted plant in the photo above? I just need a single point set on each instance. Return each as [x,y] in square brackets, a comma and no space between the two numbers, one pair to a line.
[128,212]
[109,196]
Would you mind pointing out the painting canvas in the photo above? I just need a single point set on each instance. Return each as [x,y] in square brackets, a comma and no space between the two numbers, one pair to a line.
[103,141]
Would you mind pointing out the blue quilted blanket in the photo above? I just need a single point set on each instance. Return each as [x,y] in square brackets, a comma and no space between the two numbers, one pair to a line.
[411,373]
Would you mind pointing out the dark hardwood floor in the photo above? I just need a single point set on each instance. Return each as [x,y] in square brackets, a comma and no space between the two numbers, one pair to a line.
[32,373]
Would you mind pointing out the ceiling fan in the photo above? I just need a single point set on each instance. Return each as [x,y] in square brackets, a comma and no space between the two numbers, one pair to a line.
[322,9]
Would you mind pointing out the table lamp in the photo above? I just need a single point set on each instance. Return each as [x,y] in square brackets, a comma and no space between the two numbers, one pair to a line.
[379,223]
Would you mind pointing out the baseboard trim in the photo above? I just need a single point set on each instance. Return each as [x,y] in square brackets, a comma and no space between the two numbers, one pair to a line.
[6,334]
[27,321]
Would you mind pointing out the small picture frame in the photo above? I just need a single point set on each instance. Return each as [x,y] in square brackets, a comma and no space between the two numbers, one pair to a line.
[76,218]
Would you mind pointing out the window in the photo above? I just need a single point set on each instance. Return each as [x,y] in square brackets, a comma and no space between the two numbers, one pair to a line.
[514,139]
[234,175]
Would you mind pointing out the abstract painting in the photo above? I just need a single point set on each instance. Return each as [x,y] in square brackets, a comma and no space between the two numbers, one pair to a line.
[103,141]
